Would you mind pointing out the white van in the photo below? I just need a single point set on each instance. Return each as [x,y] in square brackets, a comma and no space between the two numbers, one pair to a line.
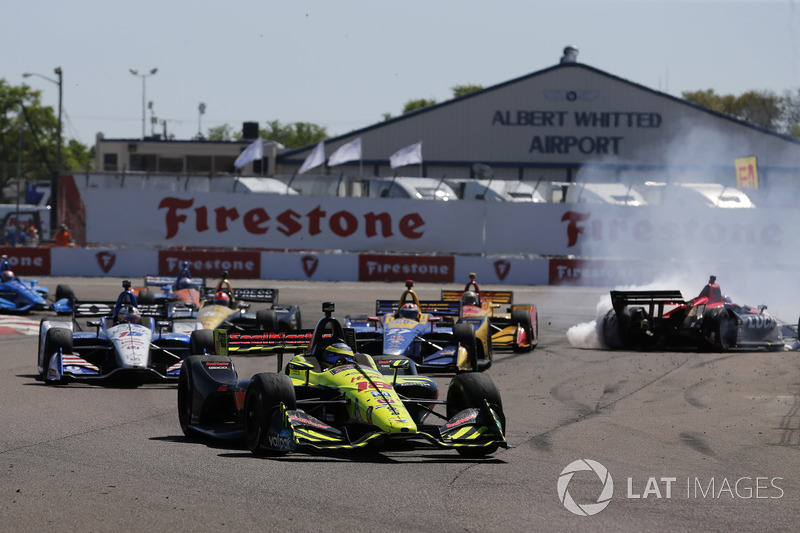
[497,190]
[603,193]
[695,195]
[408,187]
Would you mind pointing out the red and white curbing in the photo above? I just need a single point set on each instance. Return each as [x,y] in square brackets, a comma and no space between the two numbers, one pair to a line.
[16,325]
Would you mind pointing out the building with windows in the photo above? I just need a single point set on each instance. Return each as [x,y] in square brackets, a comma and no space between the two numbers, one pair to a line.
[564,124]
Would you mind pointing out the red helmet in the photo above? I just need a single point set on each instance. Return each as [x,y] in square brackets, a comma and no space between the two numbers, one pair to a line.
[222,298]
[7,275]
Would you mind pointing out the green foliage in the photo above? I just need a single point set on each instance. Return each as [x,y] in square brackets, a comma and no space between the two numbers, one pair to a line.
[39,138]
[461,90]
[226,132]
[762,108]
[413,105]
[294,135]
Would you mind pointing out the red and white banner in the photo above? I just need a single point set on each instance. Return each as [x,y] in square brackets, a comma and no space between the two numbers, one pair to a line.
[264,221]
[28,261]
[374,267]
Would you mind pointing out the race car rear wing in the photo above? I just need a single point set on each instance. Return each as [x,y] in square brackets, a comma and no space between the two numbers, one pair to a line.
[84,309]
[164,281]
[495,297]
[434,307]
[261,342]
[653,299]
[249,295]
[267,343]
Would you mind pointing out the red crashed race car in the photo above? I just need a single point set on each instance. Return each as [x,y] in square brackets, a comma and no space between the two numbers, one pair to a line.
[663,319]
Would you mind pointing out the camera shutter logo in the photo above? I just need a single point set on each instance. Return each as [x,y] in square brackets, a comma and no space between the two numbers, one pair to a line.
[588,509]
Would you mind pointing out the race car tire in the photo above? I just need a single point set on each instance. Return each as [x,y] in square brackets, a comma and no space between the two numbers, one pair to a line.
[522,318]
[464,335]
[201,342]
[267,320]
[609,331]
[64,291]
[718,331]
[265,393]
[186,394]
[471,390]
[146,297]
[55,340]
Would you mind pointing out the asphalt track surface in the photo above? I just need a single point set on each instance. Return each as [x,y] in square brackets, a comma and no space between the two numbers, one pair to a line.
[692,442]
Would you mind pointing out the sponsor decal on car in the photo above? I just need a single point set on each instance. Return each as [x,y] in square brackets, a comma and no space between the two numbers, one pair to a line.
[461,421]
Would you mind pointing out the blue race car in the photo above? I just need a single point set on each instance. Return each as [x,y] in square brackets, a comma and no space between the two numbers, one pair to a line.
[21,296]
[429,332]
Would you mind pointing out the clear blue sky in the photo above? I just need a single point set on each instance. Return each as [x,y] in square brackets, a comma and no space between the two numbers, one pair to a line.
[344,64]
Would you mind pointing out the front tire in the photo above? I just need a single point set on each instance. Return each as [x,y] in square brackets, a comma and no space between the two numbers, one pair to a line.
[471,390]
[57,339]
[464,335]
[186,396]
[522,318]
[265,393]
[201,342]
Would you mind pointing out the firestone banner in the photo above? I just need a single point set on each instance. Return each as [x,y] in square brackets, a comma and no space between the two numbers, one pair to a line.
[312,223]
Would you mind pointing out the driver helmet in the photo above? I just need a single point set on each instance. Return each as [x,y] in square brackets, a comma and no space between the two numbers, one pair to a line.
[337,353]
[7,275]
[409,310]
[222,298]
[130,315]
[184,283]
[470,298]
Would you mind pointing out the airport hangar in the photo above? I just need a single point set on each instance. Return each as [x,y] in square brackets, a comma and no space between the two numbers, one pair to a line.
[572,123]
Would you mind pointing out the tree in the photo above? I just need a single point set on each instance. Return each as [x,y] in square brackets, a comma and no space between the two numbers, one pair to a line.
[762,108]
[226,132]
[39,138]
[461,90]
[413,105]
[294,135]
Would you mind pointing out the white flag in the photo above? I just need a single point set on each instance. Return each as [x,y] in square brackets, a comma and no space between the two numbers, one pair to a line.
[410,155]
[314,159]
[346,152]
[252,153]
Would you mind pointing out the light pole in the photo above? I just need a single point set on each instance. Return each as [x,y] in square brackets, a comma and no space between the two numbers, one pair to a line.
[144,76]
[57,171]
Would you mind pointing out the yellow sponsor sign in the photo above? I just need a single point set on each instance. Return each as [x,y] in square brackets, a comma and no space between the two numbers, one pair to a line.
[746,172]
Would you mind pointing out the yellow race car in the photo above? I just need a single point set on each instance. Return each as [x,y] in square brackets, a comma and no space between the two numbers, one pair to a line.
[330,398]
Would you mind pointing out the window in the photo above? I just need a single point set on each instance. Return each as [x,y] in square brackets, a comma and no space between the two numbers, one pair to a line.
[110,162]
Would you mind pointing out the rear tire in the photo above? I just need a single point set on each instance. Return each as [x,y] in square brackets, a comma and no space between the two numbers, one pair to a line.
[470,390]
[64,291]
[55,340]
[267,320]
[609,331]
[201,342]
[464,335]
[146,297]
[265,393]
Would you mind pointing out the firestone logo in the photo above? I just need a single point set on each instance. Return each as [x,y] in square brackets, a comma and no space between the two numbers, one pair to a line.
[605,495]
